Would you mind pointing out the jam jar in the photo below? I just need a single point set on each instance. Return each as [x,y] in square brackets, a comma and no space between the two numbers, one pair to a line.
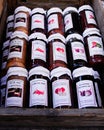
[37,50]
[87,15]
[39,87]
[55,21]
[61,85]
[22,19]
[57,51]
[38,20]
[71,21]
[84,88]
[76,55]
[17,50]
[94,47]
[16,87]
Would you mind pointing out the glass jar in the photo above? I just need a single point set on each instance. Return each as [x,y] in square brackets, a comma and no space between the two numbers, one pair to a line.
[94,47]
[39,87]
[55,21]
[61,83]
[76,55]
[57,51]
[16,87]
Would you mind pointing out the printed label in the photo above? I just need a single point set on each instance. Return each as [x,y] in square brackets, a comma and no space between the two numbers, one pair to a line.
[59,51]
[61,93]
[3,80]
[38,92]
[86,94]
[38,50]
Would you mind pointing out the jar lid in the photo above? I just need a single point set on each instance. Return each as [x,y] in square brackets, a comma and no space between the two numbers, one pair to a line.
[19,34]
[57,72]
[38,10]
[69,9]
[95,74]
[90,31]
[82,71]
[74,35]
[85,7]
[56,36]
[22,8]
[10,18]
[6,44]
[39,70]
[38,35]
[17,71]
[54,10]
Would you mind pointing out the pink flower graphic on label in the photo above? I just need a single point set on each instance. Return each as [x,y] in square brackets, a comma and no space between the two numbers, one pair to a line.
[67,22]
[51,21]
[79,50]
[86,93]
[95,44]
[40,50]
[91,16]
[38,92]
[61,50]
[37,21]
[60,91]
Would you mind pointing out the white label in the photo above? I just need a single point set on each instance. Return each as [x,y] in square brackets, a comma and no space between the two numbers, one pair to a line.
[37,21]
[11,24]
[15,49]
[78,51]
[14,93]
[38,50]
[68,22]
[86,94]
[8,34]
[3,80]
[20,20]
[38,92]
[95,46]
[61,93]
[90,17]
[53,22]
[59,51]
[5,52]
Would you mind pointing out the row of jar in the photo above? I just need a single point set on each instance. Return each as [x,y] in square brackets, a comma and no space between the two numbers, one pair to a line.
[54,20]
[59,88]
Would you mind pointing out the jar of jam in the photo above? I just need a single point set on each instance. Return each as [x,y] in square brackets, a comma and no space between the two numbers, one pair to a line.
[39,87]
[17,50]
[76,55]
[22,19]
[57,51]
[38,20]
[37,50]
[84,88]
[94,47]
[87,16]
[55,21]
[10,26]
[61,83]
[16,87]
[71,21]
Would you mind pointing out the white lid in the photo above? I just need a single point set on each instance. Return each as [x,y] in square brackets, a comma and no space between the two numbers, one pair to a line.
[95,74]
[74,35]
[6,44]
[38,10]
[54,10]
[56,36]
[19,34]
[22,8]
[57,72]
[38,35]
[17,71]
[39,70]
[68,9]
[90,31]
[84,7]
[82,71]
[10,18]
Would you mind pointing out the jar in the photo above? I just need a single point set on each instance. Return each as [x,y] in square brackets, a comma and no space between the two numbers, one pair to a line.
[84,88]
[94,47]
[61,83]
[38,20]
[55,21]
[87,16]
[10,26]
[37,50]
[17,50]
[39,87]
[57,51]
[76,55]
[22,19]
[16,87]
[71,21]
